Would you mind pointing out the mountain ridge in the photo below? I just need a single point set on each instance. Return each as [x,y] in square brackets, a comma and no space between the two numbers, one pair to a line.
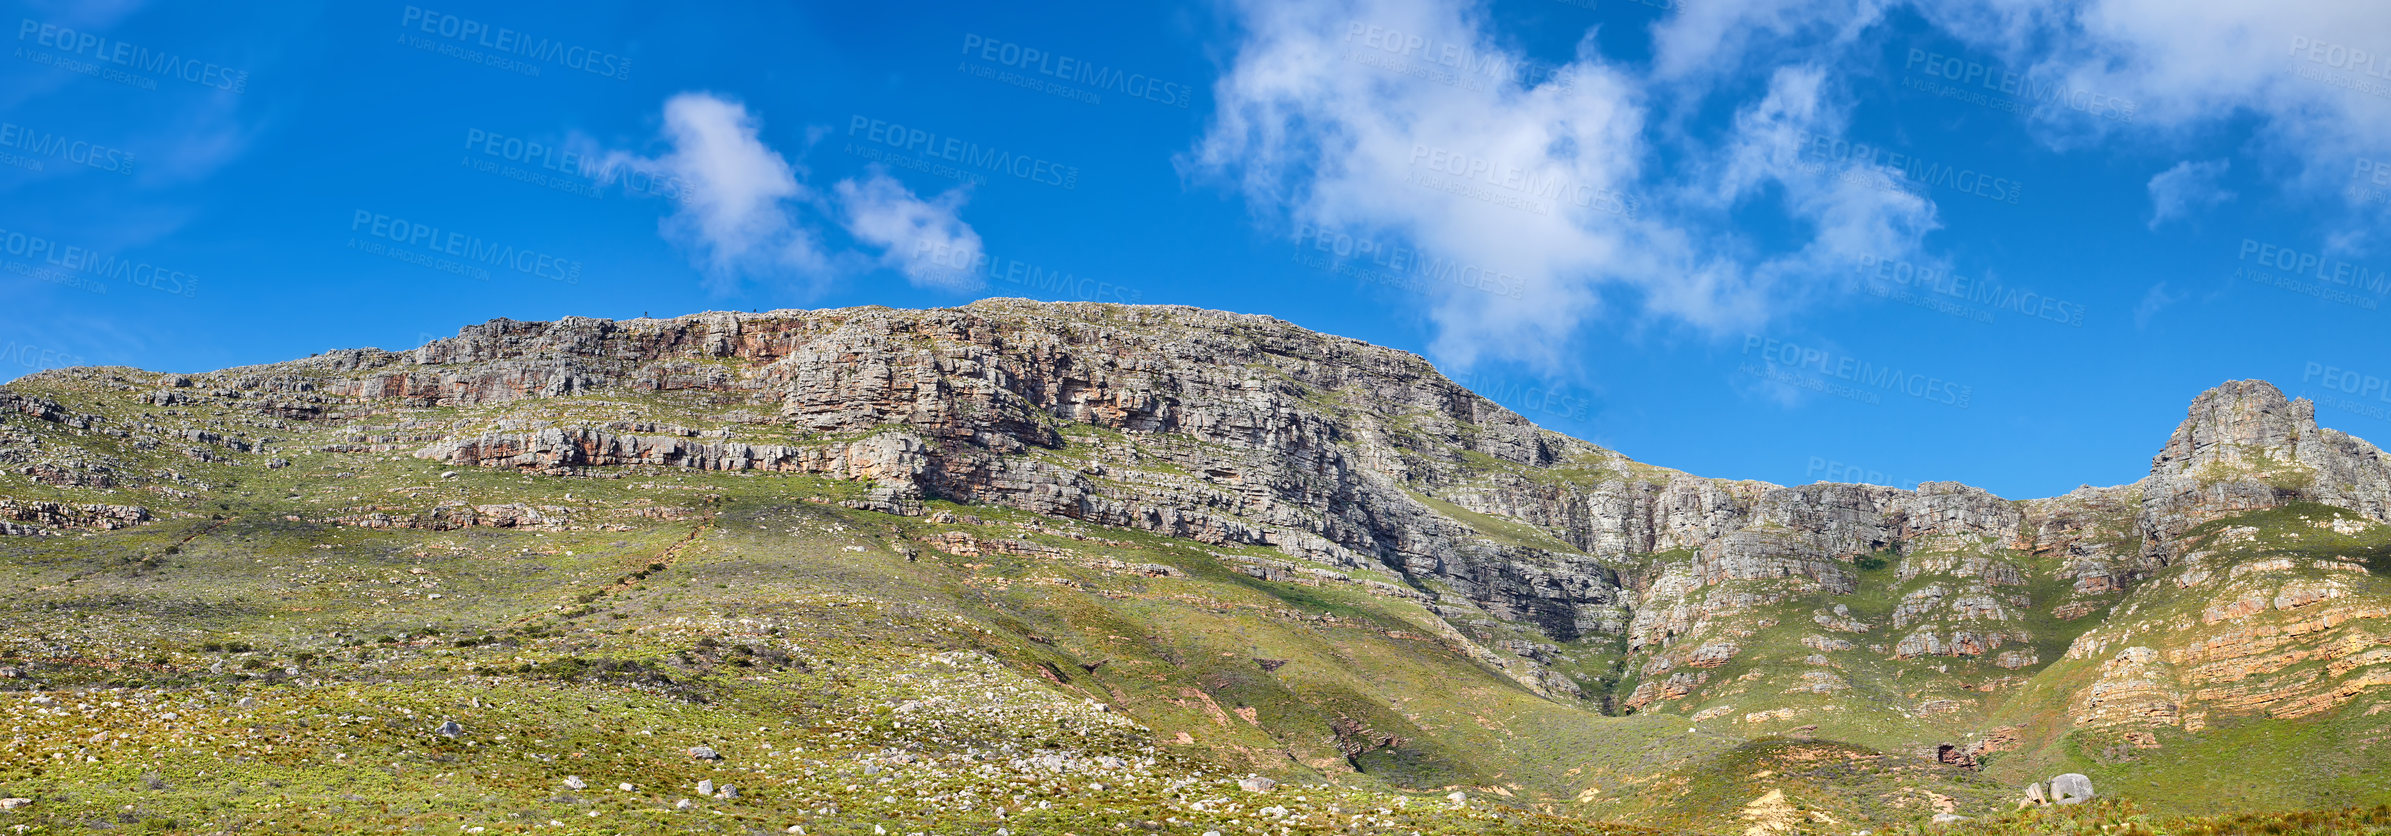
[1945,623]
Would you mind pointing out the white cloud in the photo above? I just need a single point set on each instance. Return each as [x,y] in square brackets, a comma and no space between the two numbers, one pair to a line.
[1329,114]
[1410,119]
[923,239]
[736,208]
[1854,209]
[2186,188]
[1321,127]
[1704,39]
[744,211]
[2196,61]
[2183,65]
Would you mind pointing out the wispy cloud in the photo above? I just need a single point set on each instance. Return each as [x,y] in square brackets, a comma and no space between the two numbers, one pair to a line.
[920,239]
[2187,188]
[2183,64]
[2153,301]
[746,212]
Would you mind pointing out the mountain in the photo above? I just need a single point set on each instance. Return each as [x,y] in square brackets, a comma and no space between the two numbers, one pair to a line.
[1093,564]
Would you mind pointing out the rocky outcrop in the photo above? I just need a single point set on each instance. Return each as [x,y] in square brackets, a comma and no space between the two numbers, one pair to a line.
[22,518]
[2246,447]
[889,457]
[450,516]
[1244,430]
[41,409]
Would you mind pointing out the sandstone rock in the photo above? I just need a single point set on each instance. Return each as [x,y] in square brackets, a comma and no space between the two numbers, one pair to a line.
[2135,686]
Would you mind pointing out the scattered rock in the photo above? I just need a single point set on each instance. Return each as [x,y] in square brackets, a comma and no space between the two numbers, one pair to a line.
[1256,783]
[449,729]
[704,753]
[705,787]
[1949,818]
[1458,797]
[2071,788]
[575,782]
[15,803]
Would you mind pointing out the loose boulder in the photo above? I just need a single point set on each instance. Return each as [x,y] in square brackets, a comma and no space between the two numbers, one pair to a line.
[2071,788]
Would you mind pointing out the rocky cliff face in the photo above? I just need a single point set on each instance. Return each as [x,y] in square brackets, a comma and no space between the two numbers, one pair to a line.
[2247,447]
[1583,573]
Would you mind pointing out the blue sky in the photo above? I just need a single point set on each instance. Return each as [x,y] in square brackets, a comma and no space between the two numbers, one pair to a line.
[1997,241]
